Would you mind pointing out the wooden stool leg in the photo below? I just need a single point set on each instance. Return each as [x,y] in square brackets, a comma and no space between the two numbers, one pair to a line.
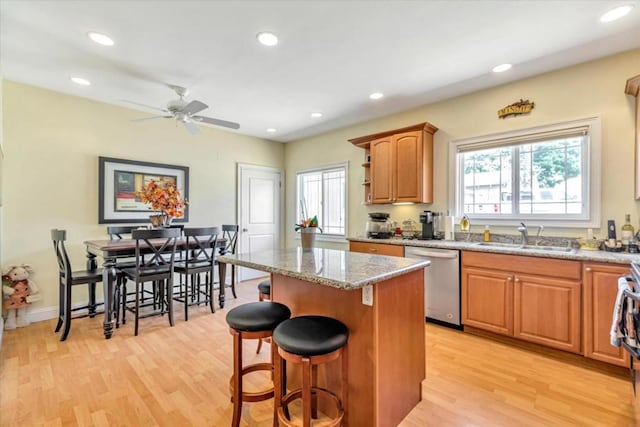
[314,395]
[306,392]
[237,378]
[345,384]
[277,383]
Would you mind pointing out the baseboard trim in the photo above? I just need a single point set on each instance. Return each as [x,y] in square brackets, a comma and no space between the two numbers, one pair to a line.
[1,330]
[47,313]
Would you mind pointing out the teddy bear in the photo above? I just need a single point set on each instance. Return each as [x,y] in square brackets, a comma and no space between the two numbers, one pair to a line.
[18,292]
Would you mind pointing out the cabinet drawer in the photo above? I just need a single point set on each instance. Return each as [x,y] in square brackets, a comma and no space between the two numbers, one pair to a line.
[376,248]
[557,268]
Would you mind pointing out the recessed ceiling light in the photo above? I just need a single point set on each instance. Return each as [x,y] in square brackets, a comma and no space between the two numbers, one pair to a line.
[376,95]
[267,39]
[501,68]
[316,114]
[81,81]
[102,39]
[616,13]
[271,130]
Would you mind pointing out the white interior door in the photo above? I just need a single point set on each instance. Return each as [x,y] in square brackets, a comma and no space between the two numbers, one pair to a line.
[259,211]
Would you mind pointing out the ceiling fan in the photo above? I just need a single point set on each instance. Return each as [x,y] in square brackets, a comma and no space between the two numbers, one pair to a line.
[185,112]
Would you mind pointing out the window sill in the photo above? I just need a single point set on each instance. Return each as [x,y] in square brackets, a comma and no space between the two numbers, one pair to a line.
[327,238]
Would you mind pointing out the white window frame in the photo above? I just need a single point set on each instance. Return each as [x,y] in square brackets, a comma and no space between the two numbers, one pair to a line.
[325,168]
[591,176]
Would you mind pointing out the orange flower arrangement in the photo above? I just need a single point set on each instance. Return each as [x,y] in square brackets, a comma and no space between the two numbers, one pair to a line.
[163,196]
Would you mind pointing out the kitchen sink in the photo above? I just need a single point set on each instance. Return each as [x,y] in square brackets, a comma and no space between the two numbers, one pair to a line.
[528,247]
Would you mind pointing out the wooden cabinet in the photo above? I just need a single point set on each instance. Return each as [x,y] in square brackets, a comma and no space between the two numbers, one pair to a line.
[534,299]
[633,88]
[600,287]
[401,164]
[376,248]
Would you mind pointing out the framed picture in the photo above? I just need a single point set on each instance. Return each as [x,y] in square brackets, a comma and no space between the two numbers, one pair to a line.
[119,182]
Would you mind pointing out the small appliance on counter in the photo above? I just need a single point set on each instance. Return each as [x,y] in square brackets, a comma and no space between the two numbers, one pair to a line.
[431,225]
[378,226]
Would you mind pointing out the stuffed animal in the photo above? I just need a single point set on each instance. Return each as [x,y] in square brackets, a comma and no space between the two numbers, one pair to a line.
[18,292]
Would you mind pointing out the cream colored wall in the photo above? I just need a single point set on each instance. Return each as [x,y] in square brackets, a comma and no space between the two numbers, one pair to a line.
[594,88]
[52,142]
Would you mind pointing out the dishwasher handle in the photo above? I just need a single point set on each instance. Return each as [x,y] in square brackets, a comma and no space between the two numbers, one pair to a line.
[431,254]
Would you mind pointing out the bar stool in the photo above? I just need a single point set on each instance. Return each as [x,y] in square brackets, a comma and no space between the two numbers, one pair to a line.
[264,294]
[252,321]
[310,341]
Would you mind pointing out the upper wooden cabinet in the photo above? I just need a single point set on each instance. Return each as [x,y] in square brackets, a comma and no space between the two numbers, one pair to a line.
[633,88]
[400,164]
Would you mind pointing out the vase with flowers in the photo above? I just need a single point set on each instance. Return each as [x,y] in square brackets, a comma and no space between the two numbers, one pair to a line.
[164,197]
[307,229]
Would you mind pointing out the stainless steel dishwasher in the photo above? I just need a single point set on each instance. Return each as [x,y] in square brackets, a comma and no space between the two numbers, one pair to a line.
[441,284]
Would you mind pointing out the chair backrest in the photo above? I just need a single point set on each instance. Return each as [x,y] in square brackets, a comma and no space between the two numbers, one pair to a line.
[115,232]
[164,243]
[202,243]
[64,266]
[179,227]
[230,233]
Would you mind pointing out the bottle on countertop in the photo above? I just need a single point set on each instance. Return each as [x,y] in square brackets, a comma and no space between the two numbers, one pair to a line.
[464,223]
[486,237]
[627,231]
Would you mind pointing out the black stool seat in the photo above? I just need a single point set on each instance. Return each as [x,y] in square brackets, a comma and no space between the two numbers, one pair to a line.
[311,335]
[265,287]
[258,316]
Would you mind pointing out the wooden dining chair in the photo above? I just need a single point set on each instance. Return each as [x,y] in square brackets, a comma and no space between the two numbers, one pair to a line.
[197,269]
[155,257]
[230,234]
[119,232]
[67,279]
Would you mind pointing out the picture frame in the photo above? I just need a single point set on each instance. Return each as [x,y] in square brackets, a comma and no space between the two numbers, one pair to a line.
[120,179]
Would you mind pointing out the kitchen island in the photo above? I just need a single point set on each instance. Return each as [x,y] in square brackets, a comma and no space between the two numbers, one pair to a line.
[386,347]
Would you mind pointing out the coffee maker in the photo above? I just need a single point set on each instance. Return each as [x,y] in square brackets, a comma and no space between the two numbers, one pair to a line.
[430,225]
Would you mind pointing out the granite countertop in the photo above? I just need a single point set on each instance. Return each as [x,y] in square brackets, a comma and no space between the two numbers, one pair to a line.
[573,254]
[330,267]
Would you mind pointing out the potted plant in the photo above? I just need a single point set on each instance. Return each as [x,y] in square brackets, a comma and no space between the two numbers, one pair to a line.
[165,198]
[307,230]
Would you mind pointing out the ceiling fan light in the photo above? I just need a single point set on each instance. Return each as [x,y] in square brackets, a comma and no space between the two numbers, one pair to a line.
[100,38]
[616,13]
[267,39]
[80,81]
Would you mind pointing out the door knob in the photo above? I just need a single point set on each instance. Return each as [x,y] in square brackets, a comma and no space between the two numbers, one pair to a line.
[244,230]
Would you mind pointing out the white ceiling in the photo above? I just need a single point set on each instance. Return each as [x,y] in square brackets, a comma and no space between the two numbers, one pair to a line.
[331,55]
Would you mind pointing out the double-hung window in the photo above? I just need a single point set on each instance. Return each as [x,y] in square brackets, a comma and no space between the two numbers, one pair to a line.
[549,175]
[322,191]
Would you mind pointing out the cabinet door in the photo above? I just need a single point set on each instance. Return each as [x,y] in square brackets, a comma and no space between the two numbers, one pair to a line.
[376,248]
[382,160]
[408,167]
[487,300]
[547,311]
[600,290]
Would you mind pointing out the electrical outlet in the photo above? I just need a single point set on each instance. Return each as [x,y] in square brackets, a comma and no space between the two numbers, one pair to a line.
[367,295]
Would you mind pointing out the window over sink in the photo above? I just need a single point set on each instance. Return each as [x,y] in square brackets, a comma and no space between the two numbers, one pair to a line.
[322,191]
[548,174]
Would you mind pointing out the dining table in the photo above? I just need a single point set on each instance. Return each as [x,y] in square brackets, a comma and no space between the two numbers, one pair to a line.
[112,250]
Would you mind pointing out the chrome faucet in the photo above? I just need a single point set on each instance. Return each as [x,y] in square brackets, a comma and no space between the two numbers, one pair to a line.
[540,228]
[524,237]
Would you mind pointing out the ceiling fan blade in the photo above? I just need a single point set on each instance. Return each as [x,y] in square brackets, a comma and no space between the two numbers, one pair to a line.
[216,122]
[145,106]
[191,127]
[151,118]
[194,107]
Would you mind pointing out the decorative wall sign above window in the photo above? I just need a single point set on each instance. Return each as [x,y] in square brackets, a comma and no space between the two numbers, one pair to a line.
[517,108]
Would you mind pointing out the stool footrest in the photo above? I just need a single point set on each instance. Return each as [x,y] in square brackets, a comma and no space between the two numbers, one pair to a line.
[257,396]
[318,391]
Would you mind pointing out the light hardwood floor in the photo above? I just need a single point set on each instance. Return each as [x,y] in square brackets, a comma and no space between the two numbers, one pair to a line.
[179,377]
